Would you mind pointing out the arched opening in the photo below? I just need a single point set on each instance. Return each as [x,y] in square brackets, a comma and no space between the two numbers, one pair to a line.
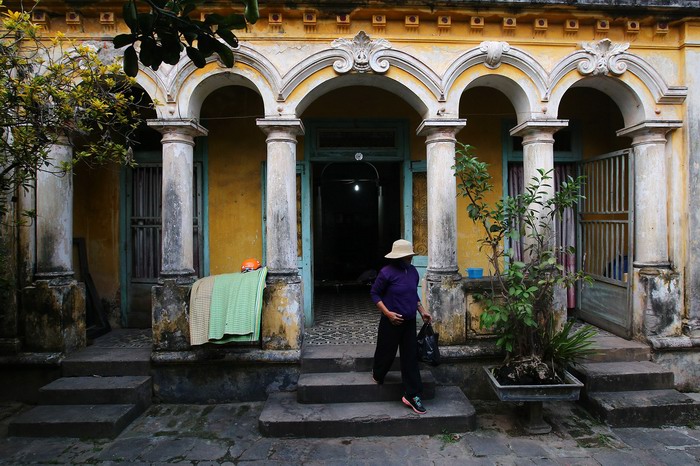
[604,226]
[360,150]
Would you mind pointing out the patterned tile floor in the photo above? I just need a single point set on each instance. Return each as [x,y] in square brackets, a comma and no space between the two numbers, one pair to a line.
[343,316]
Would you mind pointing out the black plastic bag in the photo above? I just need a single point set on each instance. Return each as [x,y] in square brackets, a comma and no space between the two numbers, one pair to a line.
[428,345]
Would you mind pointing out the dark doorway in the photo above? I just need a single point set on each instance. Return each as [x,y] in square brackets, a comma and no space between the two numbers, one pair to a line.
[357,215]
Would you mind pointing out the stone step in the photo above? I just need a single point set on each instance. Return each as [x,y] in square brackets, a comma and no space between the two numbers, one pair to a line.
[353,387]
[84,421]
[107,362]
[339,358]
[283,416]
[611,348]
[644,408]
[128,389]
[621,376]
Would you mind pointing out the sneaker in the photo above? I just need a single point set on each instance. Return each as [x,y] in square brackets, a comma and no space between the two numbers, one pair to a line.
[415,404]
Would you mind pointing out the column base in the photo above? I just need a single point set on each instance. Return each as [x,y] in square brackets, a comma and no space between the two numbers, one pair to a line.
[283,312]
[10,346]
[54,316]
[447,304]
[657,302]
[170,305]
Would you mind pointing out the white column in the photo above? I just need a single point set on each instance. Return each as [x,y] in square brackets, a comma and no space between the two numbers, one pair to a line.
[538,154]
[281,208]
[442,194]
[54,215]
[650,192]
[177,200]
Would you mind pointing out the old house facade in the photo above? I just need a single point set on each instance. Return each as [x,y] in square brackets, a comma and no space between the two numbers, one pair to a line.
[335,134]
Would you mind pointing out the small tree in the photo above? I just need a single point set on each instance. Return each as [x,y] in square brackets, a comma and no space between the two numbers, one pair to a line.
[519,306]
[52,89]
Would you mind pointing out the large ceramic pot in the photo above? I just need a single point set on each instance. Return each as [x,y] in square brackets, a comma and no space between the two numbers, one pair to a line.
[534,395]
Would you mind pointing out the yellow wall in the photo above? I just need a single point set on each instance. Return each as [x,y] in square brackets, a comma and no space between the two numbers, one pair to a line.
[485,110]
[236,150]
[96,218]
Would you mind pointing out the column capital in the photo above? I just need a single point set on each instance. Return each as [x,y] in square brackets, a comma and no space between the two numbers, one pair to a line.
[270,126]
[186,126]
[650,131]
[533,131]
[446,127]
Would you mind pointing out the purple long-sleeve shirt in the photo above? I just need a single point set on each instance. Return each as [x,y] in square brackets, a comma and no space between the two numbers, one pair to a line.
[397,286]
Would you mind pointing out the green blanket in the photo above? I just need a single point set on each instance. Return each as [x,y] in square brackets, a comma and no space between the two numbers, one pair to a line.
[236,307]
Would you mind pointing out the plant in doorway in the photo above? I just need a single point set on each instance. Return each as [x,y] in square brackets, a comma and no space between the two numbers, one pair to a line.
[519,306]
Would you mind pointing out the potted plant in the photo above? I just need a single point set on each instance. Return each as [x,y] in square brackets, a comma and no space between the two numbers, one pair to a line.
[519,305]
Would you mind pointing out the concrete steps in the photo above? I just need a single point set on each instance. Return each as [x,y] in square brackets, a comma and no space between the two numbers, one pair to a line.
[84,421]
[101,392]
[644,408]
[336,397]
[356,387]
[624,388]
[283,416]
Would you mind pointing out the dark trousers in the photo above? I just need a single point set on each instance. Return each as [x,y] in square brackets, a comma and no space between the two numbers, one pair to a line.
[403,337]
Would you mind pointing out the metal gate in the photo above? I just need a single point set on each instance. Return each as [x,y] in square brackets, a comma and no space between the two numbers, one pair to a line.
[605,241]
[144,236]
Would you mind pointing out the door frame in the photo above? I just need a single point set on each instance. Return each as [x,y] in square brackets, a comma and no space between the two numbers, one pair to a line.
[156,157]
[313,153]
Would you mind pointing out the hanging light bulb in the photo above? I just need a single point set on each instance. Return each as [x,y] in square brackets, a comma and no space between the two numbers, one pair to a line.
[357,187]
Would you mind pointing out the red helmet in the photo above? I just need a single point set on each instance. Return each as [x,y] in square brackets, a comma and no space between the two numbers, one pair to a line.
[250,264]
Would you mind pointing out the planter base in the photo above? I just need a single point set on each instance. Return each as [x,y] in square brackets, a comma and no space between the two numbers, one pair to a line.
[533,396]
[532,421]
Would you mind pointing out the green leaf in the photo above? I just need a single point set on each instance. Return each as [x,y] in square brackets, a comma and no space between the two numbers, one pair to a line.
[131,62]
[130,15]
[228,37]
[225,54]
[196,57]
[146,22]
[251,11]
[148,47]
[122,40]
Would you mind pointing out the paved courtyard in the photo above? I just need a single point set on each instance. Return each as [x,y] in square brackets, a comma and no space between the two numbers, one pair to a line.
[228,434]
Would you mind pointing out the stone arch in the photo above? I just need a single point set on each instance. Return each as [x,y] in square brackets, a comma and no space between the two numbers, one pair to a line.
[523,81]
[420,101]
[604,65]
[182,88]
[519,97]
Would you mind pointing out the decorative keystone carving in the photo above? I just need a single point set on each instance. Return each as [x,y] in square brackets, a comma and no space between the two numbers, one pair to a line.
[494,52]
[603,58]
[363,54]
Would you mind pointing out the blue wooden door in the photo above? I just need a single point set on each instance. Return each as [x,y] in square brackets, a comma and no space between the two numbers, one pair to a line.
[415,211]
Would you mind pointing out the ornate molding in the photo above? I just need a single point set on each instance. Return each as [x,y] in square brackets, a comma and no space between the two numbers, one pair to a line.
[494,51]
[603,58]
[362,54]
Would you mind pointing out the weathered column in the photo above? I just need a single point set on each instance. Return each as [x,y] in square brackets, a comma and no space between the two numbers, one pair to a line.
[538,154]
[691,51]
[54,305]
[657,302]
[283,308]
[170,302]
[445,296]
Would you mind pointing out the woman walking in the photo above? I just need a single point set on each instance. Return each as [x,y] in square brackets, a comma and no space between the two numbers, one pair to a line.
[395,292]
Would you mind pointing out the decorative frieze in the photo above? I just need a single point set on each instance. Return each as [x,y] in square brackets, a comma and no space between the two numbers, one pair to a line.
[494,52]
[362,50]
[602,58]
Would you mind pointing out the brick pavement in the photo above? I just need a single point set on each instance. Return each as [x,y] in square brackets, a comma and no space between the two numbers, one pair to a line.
[228,434]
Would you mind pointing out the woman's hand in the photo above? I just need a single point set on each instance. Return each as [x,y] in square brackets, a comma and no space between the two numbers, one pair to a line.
[394,318]
[427,318]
